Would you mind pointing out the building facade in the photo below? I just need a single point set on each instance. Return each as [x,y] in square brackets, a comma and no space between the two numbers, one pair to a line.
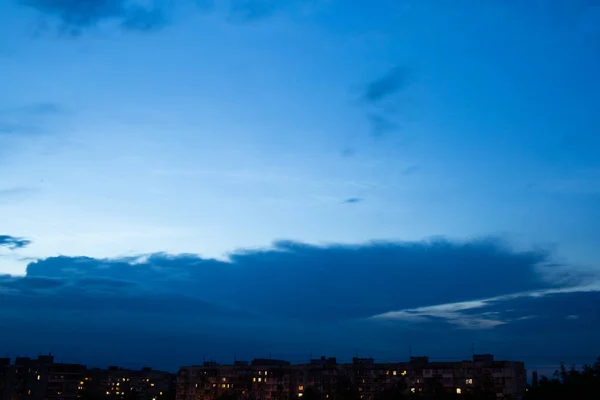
[324,378]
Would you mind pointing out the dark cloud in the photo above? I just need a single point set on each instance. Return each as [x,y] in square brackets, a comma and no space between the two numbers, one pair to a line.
[386,86]
[329,275]
[76,15]
[379,97]
[352,200]
[289,298]
[29,284]
[13,242]
[382,124]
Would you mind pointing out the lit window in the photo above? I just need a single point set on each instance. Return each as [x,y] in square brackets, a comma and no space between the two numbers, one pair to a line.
[223,386]
[253,379]
[300,388]
[458,391]
[39,377]
[107,393]
[224,379]
[413,390]
[260,379]
[152,384]
[300,394]
[327,396]
[29,391]
[160,393]
[260,372]
[469,381]
[387,372]
[118,383]
[266,372]
[403,373]
[394,373]
[81,383]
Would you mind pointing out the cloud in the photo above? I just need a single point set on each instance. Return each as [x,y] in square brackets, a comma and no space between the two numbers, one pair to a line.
[251,10]
[13,242]
[245,11]
[379,96]
[386,86]
[28,119]
[382,124]
[352,200]
[313,296]
[76,16]
[15,193]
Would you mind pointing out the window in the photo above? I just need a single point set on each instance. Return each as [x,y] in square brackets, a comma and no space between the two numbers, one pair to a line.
[469,381]
[394,373]
[253,379]
[300,388]
[224,379]
[413,390]
[260,379]
[458,391]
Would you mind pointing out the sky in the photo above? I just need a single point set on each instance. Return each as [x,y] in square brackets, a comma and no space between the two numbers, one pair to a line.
[193,179]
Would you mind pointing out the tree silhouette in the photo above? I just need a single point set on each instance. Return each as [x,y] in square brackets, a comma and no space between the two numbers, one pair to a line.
[568,384]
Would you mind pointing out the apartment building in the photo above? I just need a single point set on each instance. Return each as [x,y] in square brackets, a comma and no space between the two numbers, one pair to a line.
[119,383]
[324,378]
[43,379]
[6,379]
[482,373]
[40,379]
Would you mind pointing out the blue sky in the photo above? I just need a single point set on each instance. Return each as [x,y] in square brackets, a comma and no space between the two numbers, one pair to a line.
[334,150]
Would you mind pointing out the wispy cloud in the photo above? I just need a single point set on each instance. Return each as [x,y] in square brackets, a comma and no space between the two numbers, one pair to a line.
[352,200]
[386,86]
[486,313]
[377,96]
[27,119]
[75,16]
[13,242]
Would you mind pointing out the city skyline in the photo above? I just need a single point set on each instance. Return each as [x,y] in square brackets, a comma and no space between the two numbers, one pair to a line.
[297,176]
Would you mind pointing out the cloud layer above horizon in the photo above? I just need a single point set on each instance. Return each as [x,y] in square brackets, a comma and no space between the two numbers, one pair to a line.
[330,297]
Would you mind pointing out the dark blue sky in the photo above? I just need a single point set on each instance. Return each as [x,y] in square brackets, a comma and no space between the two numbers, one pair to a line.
[191,179]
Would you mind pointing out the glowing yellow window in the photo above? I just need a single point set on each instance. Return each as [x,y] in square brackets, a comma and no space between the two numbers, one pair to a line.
[458,390]
[300,388]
